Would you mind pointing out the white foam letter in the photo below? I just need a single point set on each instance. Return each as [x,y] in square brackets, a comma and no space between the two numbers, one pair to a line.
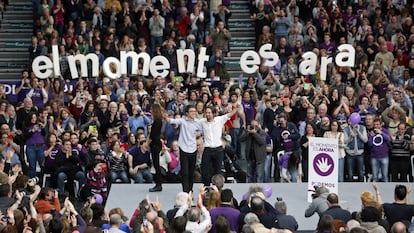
[159,63]
[107,67]
[308,65]
[83,60]
[346,56]
[56,63]
[271,58]
[245,62]
[42,71]
[135,60]
[324,63]
[202,58]
[190,58]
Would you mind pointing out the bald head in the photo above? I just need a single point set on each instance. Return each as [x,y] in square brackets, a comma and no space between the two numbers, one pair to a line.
[398,227]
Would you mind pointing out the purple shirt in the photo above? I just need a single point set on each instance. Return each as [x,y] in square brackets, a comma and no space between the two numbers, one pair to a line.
[248,110]
[379,144]
[349,19]
[37,97]
[288,144]
[231,214]
[35,138]
[51,159]
[330,48]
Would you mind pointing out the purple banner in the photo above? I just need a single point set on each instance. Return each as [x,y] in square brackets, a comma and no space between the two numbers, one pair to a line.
[11,86]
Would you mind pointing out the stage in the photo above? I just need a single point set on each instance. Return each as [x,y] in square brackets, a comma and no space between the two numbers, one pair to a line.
[128,196]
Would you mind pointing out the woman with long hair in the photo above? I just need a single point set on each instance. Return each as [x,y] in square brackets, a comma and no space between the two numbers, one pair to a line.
[131,140]
[156,145]
[88,116]
[118,163]
[336,132]
[57,93]
[35,140]
[304,145]
[50,151]
[291,167]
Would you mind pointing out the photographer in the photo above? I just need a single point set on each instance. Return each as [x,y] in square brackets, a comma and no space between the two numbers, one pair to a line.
[138,119]
[255,139]
[319,203]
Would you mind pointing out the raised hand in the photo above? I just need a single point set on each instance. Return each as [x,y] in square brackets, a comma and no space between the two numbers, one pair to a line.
[323,165]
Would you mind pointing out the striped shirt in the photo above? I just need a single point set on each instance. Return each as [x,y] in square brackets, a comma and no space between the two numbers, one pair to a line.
[118,163]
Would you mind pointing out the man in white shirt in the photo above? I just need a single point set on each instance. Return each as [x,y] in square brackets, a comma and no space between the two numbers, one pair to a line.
[198,219]
[212,128]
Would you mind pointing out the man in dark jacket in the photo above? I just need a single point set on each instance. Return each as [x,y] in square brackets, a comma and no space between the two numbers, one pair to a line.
[335,209]
[264,210]
[255,139]
[285,136]
[67,163]
[285,221]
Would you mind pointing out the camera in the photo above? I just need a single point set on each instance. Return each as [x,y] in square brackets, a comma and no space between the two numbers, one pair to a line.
[279,198]
[34,180]
[251,127]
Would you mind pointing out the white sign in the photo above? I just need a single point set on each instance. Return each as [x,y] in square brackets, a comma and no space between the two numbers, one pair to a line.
[44,67]
[323,164]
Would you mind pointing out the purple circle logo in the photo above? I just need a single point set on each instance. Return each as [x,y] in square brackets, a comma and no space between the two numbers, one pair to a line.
[323,164]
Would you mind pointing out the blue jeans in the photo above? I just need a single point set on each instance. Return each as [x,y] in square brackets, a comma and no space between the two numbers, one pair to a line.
[142,175]
[154,41]
[268,168]
[293,174]
[376,165]
[351,162]
[235,143]
[34,154]
[62,177]
[255,171]
[122,175]
[341,164]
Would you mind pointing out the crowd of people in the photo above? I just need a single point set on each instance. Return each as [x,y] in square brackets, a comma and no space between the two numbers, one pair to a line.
[279,108]
[185,129]
[26,207]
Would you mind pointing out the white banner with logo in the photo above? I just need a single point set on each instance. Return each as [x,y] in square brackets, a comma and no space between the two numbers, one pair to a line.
[323,164]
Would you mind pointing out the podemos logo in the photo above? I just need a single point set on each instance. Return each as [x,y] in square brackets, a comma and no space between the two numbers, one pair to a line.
[323,164]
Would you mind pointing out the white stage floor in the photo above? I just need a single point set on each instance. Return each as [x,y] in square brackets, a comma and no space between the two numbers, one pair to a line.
[128,196]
